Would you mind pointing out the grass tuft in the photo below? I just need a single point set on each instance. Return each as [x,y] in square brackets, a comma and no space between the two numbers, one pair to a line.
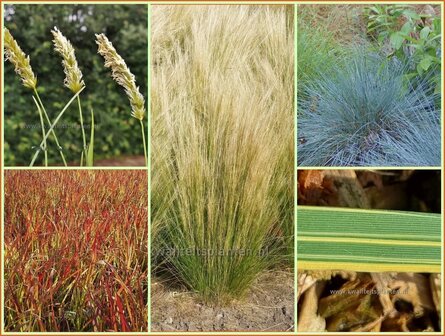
[222,144]
[364,112]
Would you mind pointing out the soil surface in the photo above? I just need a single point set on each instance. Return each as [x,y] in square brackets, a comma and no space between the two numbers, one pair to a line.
[268,306]
[122,161]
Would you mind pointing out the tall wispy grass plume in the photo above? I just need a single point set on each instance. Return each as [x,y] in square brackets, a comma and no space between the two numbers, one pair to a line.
[123,76]
[21,62]
[222,144]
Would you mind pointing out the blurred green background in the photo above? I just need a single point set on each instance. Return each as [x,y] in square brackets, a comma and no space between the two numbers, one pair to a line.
[116,132]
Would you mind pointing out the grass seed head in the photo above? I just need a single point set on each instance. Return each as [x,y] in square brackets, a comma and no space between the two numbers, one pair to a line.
[21,62]
[73,79]
[122,75]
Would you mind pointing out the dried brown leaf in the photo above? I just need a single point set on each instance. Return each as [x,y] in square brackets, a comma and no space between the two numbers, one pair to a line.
[305,281]
[382,281]
[414,289]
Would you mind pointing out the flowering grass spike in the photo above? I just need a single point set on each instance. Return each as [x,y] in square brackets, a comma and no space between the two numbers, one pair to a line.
[20,61]
[122,75]
[73,79]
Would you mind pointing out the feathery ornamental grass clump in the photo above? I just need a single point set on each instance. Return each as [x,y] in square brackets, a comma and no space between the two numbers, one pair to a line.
[222,145]
[75,251]
[364,112]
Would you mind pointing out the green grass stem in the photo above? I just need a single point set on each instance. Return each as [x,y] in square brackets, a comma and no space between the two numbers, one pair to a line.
[45,149]
[52,127]
[52,130]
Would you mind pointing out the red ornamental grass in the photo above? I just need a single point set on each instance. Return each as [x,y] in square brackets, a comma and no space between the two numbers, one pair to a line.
[76,250]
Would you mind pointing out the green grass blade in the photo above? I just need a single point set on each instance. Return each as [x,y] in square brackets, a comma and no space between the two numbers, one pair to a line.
[90,153]
[368,240]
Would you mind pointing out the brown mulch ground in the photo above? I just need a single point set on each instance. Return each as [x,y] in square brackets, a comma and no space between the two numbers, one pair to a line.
[125,161]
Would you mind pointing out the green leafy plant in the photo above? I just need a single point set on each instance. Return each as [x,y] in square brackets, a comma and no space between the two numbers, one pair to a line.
[411,36]
[319,41]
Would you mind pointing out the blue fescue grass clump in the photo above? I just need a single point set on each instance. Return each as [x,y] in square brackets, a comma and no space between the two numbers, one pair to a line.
[421,143]
[364,112]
